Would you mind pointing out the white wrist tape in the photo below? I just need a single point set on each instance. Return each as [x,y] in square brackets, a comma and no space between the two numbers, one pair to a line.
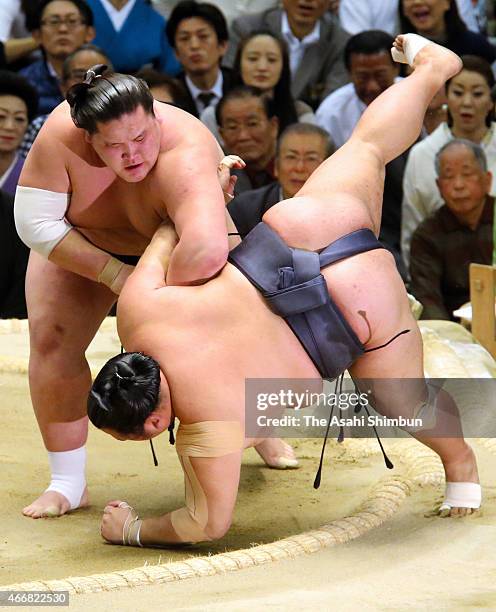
[132,527]
[68,474]
[40,218]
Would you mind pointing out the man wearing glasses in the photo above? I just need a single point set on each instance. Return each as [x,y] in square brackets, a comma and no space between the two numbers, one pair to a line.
[60,27]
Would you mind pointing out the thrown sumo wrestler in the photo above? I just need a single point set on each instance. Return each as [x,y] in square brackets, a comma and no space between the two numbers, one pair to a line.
[105,171]
[284,319]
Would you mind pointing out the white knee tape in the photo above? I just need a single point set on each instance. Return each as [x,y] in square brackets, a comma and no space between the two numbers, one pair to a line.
[40,218]
[68,474]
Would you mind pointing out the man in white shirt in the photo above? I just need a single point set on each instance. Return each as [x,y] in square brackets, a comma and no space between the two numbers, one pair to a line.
[14,35]
[368,60]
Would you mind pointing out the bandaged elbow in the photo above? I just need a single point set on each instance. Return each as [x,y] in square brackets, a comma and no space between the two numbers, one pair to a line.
[192,528]
[217,528]
[188,527]
[40,218]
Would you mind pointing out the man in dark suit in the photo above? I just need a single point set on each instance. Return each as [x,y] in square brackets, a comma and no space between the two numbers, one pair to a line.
[301,148]
[198,33]
[249,127]
[315,42]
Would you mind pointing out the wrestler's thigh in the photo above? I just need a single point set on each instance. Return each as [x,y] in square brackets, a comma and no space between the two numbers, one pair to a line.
[64,309]
[354,169]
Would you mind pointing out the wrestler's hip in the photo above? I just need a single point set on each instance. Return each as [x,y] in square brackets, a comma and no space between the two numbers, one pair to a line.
[370,293]
[365,287]
[312,223]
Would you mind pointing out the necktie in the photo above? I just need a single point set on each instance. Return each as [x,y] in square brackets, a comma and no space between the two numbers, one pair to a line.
[206,98]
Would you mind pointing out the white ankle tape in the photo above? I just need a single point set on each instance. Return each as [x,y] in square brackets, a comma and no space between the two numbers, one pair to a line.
[68,474]
[412,43]
[462,495]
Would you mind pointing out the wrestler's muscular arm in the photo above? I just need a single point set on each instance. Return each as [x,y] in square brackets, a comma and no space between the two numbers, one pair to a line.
[148,276]
[195,203]
[152,268]
[46,169]
[218,477]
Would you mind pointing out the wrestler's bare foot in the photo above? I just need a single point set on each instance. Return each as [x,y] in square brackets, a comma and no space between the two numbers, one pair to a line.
[462,469]
[277,454]
[52,504]
[443,62]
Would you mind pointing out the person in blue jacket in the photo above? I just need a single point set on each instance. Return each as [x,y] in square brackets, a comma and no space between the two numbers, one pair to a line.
[132,34]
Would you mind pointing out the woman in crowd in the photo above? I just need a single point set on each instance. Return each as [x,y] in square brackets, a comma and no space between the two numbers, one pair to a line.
[470,116]
[262,61]
[440,21]
[18,105]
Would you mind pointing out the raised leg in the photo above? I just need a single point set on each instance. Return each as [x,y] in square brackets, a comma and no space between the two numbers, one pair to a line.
[345,192]
[393,121]
[65,311]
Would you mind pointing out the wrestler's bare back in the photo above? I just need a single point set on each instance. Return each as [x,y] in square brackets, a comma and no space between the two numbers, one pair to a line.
[208,339]
[115,215]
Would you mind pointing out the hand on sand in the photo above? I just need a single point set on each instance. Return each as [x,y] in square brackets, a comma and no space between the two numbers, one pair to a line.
[52,504]
[114,516]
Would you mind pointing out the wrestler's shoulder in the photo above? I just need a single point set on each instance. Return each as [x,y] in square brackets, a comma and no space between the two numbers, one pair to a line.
[179,127]
[59,126]
[143,311]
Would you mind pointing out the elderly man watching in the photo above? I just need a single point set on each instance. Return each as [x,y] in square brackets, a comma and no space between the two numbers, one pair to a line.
[301,148]
[249,128]
[457,234]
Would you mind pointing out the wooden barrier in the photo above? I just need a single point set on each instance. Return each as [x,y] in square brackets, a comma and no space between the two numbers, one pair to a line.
[482,294]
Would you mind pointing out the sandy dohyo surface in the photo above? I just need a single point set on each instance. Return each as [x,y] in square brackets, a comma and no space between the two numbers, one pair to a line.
[411,562]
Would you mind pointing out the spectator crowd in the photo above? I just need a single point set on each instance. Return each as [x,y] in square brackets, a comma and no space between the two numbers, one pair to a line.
[282,85]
